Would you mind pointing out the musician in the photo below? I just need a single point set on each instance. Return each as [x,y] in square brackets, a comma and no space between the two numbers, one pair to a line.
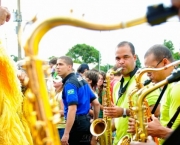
[4,15]
[125,57]
[77,96]
[159,56]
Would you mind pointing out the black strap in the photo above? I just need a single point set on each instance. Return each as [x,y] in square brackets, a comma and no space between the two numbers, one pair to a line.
[174,138]
[123,89]
[159,99]
[171,122]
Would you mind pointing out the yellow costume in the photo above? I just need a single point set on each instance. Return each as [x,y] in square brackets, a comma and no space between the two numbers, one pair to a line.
[13,125]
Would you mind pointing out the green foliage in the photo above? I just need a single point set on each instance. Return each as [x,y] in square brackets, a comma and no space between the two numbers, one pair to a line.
[170,45]
[83,53]
[15,58]
[51,57]
[104,68]
[138,63]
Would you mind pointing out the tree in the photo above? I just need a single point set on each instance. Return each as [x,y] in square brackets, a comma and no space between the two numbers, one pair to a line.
[138,63]
[170,45]
[104,68]
[83,53]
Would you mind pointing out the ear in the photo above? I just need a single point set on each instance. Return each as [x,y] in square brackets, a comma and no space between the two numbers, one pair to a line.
[165,61]
[135,57]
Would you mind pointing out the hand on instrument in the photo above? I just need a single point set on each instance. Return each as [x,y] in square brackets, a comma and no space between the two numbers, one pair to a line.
[4,15]
[131,125]
[153,127]
[113,112]
[149,142]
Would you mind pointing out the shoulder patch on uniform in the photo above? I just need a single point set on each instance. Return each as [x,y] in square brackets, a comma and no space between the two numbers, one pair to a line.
[69,92]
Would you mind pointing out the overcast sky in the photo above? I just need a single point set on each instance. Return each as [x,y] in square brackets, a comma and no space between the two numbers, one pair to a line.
[57,41]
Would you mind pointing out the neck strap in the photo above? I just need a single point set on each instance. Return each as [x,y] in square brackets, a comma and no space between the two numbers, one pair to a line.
[123,89]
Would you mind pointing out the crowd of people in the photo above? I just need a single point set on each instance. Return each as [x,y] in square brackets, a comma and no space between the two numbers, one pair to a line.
[80,97]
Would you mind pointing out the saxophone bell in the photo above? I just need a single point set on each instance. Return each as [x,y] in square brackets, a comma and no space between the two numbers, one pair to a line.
[98,127]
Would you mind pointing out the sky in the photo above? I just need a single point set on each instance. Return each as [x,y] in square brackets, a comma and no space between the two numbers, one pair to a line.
[57,41]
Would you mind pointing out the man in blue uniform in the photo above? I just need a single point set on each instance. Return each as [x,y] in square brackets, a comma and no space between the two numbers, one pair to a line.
[77,96]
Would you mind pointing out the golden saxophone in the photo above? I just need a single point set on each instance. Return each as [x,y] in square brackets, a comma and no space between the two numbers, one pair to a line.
[141,107]
[147,114]
[41,119]
[139,84]
[101,128]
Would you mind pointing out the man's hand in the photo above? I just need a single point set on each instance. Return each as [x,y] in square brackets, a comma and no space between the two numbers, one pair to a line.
[4,15]
[65,139]
[113,112]
[131,125]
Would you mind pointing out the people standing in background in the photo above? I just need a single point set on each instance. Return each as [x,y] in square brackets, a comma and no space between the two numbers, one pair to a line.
[77,96]
[100,91]
[52,64]
[92,78]
[58,85]
[116,78]
[82,69]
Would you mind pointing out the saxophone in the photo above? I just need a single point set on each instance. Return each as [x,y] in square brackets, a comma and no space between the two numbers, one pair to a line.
[141,112]
[101,128]
[133,109]
[41,118]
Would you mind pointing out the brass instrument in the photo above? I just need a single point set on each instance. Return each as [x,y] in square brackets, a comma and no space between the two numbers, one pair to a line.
[141,117]
[101,128]
[41,118]
[136,91]
[138,77]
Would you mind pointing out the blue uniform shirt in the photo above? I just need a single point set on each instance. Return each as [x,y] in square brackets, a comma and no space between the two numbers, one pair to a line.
[76,91]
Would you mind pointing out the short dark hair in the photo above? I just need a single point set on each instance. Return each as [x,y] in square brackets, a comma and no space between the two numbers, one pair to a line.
[67,60]
[93,76]
[82,68]
[123,43]
[159,51]
[53,60]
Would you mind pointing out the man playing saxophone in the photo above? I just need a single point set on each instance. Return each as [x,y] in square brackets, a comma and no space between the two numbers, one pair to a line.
[125,57]
[160,56]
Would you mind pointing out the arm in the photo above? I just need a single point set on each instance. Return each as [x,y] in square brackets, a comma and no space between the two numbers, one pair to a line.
[96,106]
[4,15]
[69,123]
[62,108]
[70,118]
